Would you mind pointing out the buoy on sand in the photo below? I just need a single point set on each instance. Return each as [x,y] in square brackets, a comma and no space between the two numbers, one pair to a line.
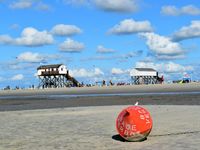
[134,123]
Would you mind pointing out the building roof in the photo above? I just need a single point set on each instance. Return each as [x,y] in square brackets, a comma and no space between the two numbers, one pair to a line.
[146,69]
[49,66]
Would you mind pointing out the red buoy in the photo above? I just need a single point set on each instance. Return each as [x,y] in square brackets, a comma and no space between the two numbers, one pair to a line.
[134,123]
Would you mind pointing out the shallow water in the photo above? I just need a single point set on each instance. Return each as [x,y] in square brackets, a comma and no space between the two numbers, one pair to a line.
[45,96]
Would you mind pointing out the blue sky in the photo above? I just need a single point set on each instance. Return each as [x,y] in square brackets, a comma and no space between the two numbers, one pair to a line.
[98,39]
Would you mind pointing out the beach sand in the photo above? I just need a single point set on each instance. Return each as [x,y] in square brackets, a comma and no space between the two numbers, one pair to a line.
[181,94]
[190,87]
[89,128]
[34,119]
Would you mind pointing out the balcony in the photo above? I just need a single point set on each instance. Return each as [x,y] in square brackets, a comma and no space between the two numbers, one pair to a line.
[49,73]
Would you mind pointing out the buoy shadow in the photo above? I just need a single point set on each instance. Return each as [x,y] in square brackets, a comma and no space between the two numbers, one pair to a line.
[117,137]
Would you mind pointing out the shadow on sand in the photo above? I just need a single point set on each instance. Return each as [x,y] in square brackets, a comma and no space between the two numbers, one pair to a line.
[117,137]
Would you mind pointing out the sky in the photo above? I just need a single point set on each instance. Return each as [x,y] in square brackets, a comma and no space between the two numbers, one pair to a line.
[98,39]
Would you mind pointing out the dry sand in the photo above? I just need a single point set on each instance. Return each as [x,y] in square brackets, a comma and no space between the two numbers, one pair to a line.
[176,121]
[107,89]
[89,128]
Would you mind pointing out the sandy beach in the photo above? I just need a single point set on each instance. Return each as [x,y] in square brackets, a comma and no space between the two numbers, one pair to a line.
[166,94]
[191,87]
[84,118]
[88,128]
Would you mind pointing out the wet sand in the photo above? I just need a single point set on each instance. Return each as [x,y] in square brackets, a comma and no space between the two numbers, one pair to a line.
[76,118]
[79,101]
[166,94]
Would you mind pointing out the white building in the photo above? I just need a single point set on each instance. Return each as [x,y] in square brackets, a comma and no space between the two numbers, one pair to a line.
[144,76]
[51,69]
[55,76]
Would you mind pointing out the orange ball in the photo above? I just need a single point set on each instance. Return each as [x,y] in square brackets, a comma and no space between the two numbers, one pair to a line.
[134,123]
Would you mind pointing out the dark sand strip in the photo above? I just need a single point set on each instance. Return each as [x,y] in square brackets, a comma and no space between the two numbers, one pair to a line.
[79,101]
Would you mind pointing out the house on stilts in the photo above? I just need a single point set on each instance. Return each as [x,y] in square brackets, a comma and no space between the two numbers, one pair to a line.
[145,76]
[55,76]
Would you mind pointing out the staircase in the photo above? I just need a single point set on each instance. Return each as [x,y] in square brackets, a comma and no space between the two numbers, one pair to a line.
[72,79]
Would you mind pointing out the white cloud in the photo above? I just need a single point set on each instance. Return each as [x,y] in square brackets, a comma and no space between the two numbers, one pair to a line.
[170,10]
[21,4]
[43,7]
[77,2]
[132,54]
[130,26]
[65,30]
[190,10]
[185,10]
[103,50]
[117,71]
[18,77]
[187,32]
[117,5]
[29,37]
[162,46]
[71,46]
[30,57]
[32,37]
[86,73]
[169,57]
[121,6]
[169,67]
[25,4]
[5,39]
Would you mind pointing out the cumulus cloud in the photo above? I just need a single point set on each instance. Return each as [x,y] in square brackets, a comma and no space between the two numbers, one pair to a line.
[120,6]
[169,67]
[132,54]
[29,37]
[117,5]
[17,77]
[162,46]
[187,32]
[71,46]
[27,4]
[101,49]
[65,30]
[5,39]
[43,7]
[118,71]
[21,4]
[32,37]
[185,10]
[77,2]
[130,26]
[170,10]
[30,57]
[86,73]
[169,57]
